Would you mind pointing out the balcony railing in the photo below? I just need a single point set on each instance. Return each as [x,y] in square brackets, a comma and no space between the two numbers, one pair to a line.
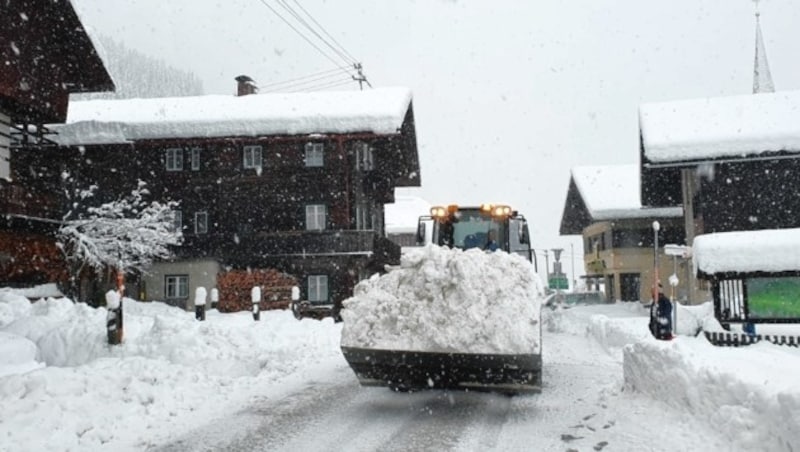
[291,243]
[17,200]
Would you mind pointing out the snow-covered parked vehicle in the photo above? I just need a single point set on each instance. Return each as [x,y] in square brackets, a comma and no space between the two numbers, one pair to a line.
[755,281]
[454,314]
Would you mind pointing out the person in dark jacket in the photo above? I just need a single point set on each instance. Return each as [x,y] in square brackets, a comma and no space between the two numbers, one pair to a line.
[661,316]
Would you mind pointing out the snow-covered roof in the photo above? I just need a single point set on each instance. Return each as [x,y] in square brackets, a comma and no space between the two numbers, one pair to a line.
[379,111]
[403,215]
[736,126]
[612,192]
[769,250]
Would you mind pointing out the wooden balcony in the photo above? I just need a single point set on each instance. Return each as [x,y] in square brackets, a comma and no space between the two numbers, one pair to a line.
[247,247]
[20,201]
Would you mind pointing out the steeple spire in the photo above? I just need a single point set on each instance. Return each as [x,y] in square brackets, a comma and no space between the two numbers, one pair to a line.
[762,79]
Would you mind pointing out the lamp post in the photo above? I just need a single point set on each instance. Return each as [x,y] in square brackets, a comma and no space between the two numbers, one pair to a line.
[656,227]
[572,254]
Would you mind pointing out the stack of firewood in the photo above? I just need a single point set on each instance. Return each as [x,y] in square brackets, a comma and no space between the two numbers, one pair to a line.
[235,286]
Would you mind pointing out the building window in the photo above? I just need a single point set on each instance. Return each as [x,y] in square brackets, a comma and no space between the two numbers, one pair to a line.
[174,159]
[364,157]
[177,220]
[364,217]
[195,159]
[315,217]
[200,222]
[314,154]
[317,288]
[176,286]
[252,157]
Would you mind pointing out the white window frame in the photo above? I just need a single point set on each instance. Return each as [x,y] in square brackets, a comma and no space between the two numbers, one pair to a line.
[176,286]
[365,158]
[195,158]
[201,222]
[252,156]
[364,217]
[174,159]
[316,217]
[315,155]
[177,220]
[318,288]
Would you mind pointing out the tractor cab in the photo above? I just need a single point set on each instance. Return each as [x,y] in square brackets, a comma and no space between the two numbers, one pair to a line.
[488,227]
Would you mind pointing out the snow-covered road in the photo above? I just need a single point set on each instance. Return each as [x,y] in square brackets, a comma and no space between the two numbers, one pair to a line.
[229,383]
[582,407]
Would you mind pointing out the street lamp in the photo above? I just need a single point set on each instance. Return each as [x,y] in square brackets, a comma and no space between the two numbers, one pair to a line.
[656,227]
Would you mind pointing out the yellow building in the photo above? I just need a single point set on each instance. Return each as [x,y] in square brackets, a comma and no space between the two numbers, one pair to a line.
[603,205]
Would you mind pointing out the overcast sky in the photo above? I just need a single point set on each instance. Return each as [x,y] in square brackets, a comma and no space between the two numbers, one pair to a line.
[508,96]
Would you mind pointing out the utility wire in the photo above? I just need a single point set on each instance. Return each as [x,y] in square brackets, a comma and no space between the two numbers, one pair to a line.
[300,19]
[304,36]
[313,81]
[327,85]
[352,58]
[335,71]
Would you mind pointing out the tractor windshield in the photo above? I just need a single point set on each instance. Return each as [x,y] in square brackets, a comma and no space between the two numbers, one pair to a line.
[476,230]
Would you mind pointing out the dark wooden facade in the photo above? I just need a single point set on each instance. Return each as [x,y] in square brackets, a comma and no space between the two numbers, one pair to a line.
[46,55]
[256,219]
[740,195]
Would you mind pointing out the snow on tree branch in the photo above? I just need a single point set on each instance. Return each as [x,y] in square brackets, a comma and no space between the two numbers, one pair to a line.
[127,234]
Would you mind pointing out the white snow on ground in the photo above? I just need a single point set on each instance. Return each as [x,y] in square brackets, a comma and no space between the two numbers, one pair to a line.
[63,388]
[769,250]
[448,300]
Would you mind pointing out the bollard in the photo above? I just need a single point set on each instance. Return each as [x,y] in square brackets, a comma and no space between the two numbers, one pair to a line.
[255,297]
[214,298]
[200,303]
[114,319]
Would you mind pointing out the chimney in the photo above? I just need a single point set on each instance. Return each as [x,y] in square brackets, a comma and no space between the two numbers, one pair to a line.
[245,85]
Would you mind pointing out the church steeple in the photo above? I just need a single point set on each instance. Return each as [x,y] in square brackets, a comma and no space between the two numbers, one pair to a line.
[762,79]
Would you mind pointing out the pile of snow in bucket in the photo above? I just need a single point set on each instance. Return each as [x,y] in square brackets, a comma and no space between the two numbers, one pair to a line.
[448,300]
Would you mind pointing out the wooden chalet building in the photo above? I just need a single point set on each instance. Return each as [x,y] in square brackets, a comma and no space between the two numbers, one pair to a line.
[46,55]
[603,206]
[293,183]
[732,162]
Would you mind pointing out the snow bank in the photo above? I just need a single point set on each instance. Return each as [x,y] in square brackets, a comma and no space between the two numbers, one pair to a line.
[62,387]
[17,355]
[750,393]
[448,300]
[770,250]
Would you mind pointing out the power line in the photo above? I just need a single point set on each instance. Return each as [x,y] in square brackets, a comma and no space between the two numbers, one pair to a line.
[352,58]
[302,21]
[313,81]
[297,80]
[303,36]
[326,85]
